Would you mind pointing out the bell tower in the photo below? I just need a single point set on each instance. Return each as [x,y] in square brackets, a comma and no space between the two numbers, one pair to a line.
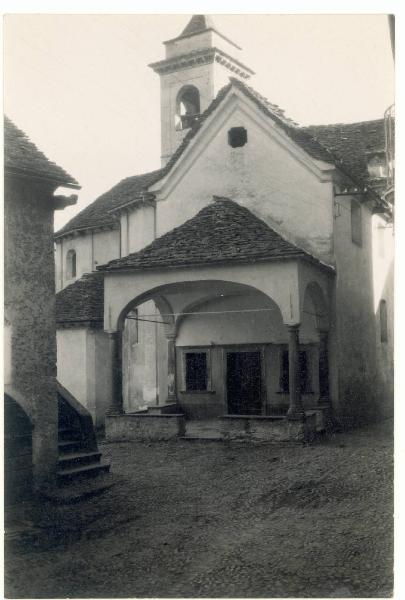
[198,64]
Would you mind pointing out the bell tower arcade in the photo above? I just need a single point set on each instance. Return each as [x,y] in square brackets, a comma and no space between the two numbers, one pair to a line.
[198,64]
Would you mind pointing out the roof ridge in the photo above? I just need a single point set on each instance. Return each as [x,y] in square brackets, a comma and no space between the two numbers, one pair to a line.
[341,124]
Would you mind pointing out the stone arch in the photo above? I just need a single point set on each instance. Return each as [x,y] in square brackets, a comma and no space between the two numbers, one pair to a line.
[187,107]
[314,291]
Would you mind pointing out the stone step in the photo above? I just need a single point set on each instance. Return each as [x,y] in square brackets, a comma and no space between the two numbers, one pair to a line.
[76,459]
[81,472]
[83,488]
[67,434]
[69,446]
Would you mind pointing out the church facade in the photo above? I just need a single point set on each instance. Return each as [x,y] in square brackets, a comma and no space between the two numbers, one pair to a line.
[250,275]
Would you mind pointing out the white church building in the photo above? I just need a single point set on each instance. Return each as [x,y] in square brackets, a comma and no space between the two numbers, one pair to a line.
[249,278]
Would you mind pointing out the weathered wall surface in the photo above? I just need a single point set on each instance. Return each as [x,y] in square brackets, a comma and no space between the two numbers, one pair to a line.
[383,280]
[355,331]
[72,362]
[92,249]
[84,368]
[170,85]
[140,378]
[30,310]
[263,175]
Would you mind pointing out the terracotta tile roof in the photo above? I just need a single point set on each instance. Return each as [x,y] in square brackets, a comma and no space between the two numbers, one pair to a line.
[97,214]
[82,301]
[128,189]
[221,232]
[22,157]
[352,143]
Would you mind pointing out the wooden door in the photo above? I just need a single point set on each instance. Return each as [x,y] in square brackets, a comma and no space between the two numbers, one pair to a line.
[243,383]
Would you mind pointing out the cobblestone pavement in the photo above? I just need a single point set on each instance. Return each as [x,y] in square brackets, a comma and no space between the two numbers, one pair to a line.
[215,519]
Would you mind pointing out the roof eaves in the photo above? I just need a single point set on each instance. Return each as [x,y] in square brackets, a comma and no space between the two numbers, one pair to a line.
[19,172]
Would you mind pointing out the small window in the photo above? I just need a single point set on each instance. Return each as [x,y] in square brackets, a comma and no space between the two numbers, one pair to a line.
[383,322]
[196,376]
[356,223]
[71,264]
[187,107]
[304,368]
[237,137]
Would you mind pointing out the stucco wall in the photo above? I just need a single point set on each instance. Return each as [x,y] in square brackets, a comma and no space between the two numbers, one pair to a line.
[263,175]
[383,280]
[30,310]
[72,362]
[170,85]
[139,359]
[84,368]
[355,317]
[141,228]
[92,249]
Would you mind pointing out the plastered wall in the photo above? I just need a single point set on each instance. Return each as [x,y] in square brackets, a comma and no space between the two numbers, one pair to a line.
[92,249]
[354,319]
[263,175]
[84,368]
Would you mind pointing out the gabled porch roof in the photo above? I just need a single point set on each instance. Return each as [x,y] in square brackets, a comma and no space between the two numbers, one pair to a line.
[222,232]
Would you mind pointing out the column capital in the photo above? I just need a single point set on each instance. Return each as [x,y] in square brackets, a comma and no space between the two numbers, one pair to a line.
[171,336]
[113,335]
[293,326]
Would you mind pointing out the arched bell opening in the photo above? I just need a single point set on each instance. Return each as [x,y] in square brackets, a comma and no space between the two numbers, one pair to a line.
[187,107]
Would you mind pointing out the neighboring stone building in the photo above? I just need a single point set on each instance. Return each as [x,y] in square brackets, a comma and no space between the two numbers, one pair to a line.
[247,276]
[31,409]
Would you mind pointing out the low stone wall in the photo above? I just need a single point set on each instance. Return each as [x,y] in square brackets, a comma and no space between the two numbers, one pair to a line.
[267,428]
[143,427]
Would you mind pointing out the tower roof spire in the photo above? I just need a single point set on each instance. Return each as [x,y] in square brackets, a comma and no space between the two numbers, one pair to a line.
[197,24]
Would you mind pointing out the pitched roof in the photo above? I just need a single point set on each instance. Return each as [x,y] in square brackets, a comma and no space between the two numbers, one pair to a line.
[82,301]
[22,157]
[98,214]
[353,143]
[308,138]
[221,232]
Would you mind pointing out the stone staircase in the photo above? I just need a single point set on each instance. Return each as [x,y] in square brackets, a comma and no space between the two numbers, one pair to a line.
[79,456]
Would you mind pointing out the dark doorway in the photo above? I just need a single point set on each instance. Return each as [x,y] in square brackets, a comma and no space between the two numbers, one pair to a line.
[243,383]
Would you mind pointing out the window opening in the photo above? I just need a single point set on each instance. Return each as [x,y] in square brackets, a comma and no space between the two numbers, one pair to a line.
[237,137]
[71,264]
[304,370]
[188,107]
[196,371]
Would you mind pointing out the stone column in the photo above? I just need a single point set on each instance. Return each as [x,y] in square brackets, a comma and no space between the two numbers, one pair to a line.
[324,397]
[296,410]
[171,368]
[116,406]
